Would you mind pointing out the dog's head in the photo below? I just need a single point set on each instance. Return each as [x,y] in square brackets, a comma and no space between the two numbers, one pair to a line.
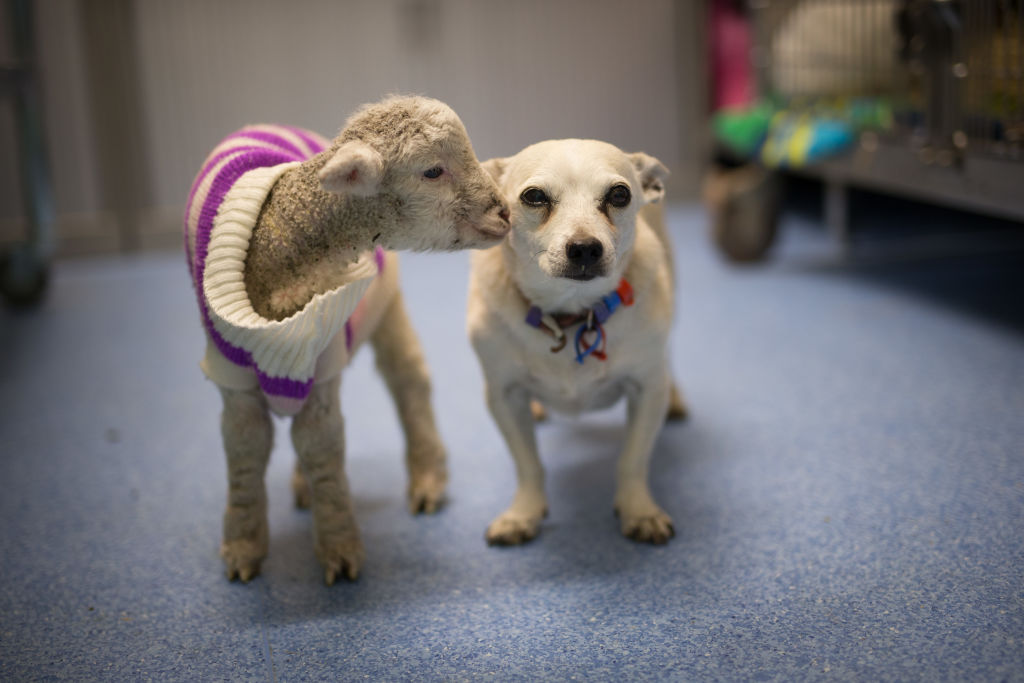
[573,214]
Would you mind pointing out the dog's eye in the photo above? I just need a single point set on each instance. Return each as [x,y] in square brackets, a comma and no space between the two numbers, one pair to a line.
[434,172]
[534,196]
[618,196]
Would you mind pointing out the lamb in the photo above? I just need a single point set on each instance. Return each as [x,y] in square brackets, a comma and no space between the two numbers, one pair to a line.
[286,235]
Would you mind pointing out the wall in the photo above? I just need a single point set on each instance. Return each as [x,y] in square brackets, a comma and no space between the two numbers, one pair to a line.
[516,72]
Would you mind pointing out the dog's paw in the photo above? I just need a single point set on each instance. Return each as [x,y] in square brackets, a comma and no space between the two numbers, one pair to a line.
[340,558]
[301,490]
[512,529]
[426,492]
[242,558]
[648,527]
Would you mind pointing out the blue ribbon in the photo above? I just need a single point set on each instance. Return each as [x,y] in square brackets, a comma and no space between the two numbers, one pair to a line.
[582,354]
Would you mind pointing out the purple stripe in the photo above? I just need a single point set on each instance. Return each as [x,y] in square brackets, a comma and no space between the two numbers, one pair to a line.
[241,135]
[315,142]
[245,140]
[274,139]
[208,166]
[378,256]
[348,335]
[282,386]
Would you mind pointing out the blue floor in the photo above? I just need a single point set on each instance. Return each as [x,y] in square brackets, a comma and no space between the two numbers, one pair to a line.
[848,495]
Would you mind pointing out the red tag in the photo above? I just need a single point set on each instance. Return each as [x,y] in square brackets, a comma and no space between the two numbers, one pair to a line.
[625,292]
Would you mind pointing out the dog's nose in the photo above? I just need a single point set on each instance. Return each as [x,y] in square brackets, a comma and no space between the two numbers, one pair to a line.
[503,214]
[585,253]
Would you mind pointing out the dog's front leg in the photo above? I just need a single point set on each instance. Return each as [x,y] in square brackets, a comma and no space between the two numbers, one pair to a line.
[510,408]
[640,516]
[248,436]
[318,434]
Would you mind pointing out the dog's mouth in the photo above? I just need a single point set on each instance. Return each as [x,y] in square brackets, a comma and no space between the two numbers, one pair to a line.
[582,273]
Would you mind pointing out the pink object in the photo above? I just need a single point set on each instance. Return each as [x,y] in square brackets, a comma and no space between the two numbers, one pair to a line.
[732,76]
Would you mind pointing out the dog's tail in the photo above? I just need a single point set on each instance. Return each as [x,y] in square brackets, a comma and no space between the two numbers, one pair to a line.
[654,216]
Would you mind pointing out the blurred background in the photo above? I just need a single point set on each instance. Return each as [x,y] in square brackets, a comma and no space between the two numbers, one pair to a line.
[132,94]
[110,105]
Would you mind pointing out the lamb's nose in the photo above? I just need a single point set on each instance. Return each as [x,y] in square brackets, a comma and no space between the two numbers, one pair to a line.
[503,214]
[585,253]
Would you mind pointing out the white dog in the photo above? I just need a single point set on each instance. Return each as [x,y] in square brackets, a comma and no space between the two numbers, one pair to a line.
[573,310]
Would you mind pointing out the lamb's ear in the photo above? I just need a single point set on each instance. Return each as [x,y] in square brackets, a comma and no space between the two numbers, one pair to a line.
[496,168]
[356,169]
[652,175]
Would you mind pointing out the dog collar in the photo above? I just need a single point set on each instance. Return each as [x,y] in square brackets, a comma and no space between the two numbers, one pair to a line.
[593,319]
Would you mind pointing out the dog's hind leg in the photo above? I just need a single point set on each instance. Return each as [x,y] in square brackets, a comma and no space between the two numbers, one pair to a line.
[318,434]
[400,362]
[640,516]
[248,436]
[521,521]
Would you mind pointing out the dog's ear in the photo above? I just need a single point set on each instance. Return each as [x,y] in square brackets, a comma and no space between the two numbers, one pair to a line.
[356,169]
[496,168]
[652,175]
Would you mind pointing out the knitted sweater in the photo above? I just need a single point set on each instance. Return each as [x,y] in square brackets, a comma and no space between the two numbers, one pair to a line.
[245,350]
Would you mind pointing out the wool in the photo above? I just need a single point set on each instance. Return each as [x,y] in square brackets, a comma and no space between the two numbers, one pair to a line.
[245,349]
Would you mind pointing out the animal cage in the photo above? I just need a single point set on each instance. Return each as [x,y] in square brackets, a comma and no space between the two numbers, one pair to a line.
[942,82]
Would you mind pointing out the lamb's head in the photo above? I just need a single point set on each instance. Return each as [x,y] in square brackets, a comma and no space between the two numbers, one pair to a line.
[409,162]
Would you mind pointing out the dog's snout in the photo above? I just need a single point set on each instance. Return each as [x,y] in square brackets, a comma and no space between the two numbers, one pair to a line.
[585,252]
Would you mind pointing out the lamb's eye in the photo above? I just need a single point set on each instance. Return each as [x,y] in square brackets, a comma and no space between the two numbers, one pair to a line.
[433,172]
[618,196]
[534,196]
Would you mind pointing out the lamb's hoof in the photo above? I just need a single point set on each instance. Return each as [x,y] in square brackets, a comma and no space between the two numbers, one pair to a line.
[538,411]
[509,529]
[654,527]
[300,489]
[426,492]
[341,559]
[242,559]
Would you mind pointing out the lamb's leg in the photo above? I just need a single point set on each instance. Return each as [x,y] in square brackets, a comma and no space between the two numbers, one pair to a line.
[248,436]
[401,363]
[318,434]
[640,516]
[520,522]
